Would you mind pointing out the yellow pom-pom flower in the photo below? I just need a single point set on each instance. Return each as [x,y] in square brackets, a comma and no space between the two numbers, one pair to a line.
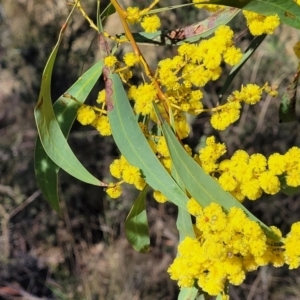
[86,114]
[102,125]
[259,24]
[114,190]
[276,164]
[159,197]
[232,55]
[130,59]
[150,23]
[133,15]
[292,249]
[131,174]
[117,166]
[143,95]
[269,183]
[110,61]
[194,208]
[226,115]
[251,93]
[101,97]
[162,147]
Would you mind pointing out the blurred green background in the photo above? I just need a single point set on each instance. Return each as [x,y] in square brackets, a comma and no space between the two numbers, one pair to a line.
[85,255]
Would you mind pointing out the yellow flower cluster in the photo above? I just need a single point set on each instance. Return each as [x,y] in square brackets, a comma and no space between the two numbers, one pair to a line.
[130,59]
[209,7]
[143,95]
[225,248]
[121,169]
[88,115]
[224,115]
[292,249]
[247,175]
[181,77]
[159,197]
[259,24]
[149,23]
[110,61]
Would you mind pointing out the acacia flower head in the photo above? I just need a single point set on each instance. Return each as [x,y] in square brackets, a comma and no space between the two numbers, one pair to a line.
[110,60]
[150,23]
[159,197]
[292,250]
[86,114]
[102,125]
[130,59]
[259,24]
[133,15]
[225,247]
[101,97]
[114,190]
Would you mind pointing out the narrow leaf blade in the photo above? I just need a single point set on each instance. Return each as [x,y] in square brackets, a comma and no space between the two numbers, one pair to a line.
[49,131]
[136,224]
[184,220]
[65,111]
[188,293]
[135,148]
[201,186]
[46,176]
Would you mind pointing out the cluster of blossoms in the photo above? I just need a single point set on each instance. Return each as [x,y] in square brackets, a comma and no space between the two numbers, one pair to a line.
[150,23]
[243,175]
[88,115]
[182,76]
[247,175]
[226,246]
[259,24]
[121,169]
[181,79]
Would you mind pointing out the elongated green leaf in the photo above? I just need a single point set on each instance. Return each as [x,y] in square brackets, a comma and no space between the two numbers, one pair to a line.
[287,108]
[65,111]
[185,228]
[234,71]
[200,185]
[191,33]
[134,146]
[188,294]
[46,176]
[184,224]
[108,11]
[49,131]
[287,10]
[136,224]
[201,296]
[184,220]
